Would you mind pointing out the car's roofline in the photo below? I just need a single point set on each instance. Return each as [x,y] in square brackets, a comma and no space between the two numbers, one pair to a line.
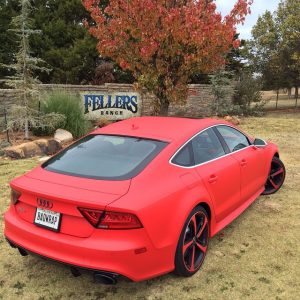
[155,127]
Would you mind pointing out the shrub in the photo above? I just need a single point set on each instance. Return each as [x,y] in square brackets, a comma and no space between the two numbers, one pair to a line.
[39,123]
[247,99]
[68,105]
[220,86]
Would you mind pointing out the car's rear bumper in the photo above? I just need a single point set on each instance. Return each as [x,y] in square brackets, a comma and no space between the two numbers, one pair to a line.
[117,251]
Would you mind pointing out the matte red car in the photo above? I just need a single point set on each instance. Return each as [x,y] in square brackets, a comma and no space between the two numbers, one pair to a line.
[140,197]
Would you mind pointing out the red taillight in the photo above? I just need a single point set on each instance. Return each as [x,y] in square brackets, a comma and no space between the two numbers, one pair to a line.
[92,215]
[14,196]
[115,220]
[111,219]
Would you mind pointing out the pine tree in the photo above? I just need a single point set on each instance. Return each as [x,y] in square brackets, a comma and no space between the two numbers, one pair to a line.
[65,44]
[8,9]
[24,66]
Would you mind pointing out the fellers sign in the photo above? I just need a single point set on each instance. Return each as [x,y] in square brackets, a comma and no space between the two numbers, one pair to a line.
[112,106]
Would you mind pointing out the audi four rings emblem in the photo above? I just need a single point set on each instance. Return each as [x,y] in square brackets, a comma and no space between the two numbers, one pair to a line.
[44,203]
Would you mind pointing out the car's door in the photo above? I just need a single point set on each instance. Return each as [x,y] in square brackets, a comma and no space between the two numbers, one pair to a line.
[250,159]
[219,172]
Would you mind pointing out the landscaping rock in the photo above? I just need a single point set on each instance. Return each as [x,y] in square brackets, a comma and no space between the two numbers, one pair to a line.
[63,136]
[101,123]
[36,148]
[31,149]
[14,152]
[233,120]
[44,158]
[42,144]
[53,146]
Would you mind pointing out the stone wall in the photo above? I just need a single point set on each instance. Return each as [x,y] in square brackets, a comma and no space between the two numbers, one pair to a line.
[7,98]
[198,102]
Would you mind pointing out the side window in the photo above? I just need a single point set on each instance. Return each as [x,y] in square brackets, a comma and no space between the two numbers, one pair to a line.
[184,157]
[234,139]
[206,147]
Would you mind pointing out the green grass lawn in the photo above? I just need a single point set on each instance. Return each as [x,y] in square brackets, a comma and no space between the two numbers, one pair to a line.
[256,257]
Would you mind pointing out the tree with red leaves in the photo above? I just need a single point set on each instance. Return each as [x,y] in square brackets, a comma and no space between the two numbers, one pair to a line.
[164,42]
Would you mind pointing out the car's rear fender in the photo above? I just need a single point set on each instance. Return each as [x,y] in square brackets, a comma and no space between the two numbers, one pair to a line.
[164,203]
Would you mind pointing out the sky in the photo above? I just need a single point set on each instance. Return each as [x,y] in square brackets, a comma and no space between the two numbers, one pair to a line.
[257,8]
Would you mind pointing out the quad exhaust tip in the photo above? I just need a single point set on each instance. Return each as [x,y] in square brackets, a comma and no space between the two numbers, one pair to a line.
[105,278]
[99,276]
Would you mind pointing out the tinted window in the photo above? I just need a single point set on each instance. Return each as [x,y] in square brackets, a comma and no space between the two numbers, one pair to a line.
[105,157]
[206,146]
[234,139]
[184,157]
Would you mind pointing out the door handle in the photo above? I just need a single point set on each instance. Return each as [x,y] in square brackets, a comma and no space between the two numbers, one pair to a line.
[243,162]
[212,178]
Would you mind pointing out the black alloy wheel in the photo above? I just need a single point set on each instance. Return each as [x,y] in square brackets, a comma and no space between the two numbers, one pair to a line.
[276,177]
[193,243]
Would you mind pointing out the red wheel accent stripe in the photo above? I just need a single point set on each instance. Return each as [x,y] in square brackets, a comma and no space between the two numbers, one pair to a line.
[274,184]
[277,172]
[186,246]
[193,259]
[193,219]
[202,228]
[202,248]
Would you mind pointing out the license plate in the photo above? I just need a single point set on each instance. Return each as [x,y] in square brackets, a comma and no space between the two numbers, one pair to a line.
[47,219]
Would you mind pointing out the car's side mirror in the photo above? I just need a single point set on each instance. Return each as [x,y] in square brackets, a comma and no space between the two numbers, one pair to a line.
[259,143]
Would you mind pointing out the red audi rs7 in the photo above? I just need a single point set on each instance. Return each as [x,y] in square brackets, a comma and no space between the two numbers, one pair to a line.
[140,197]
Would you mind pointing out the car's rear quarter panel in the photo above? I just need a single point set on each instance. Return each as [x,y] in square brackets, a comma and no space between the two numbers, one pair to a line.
[162,196]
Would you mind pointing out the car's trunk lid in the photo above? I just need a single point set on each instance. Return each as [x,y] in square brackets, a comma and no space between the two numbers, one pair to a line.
[66,194]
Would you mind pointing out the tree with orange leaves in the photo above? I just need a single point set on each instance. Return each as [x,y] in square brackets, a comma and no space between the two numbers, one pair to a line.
[164,42]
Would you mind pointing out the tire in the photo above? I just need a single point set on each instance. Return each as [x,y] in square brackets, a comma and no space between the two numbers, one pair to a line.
[193,243]
[276,177]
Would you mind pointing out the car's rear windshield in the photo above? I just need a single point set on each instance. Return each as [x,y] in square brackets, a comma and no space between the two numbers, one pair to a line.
[107,157]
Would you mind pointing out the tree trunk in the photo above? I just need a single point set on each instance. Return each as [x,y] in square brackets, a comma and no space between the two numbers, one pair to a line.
[25,99]
[277,96]
[164,107]
[6,125]
[296,95]
[26,129]
[289,93]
